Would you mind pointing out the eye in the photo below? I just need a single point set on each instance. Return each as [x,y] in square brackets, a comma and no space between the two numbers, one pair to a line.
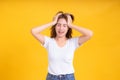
[65,25]
[58,24]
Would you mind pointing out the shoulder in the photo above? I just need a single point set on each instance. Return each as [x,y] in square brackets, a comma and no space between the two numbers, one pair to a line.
[47,40]
[74,39]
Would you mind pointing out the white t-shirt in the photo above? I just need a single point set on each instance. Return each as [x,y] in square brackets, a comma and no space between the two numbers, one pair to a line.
[60,59]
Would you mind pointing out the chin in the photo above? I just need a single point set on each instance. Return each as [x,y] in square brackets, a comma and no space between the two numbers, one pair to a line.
[60,36]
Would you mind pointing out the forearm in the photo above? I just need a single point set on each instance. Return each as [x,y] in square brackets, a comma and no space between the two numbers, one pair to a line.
[38,29]
[82,30]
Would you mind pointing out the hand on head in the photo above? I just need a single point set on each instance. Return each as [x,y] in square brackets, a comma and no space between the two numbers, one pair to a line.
[69,21]
[55,18]
[70,18]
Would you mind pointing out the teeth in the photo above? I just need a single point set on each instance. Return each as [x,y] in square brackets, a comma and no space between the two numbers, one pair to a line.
[60,32]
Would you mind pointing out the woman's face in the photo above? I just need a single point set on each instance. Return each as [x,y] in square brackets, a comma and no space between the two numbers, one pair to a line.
[61,27]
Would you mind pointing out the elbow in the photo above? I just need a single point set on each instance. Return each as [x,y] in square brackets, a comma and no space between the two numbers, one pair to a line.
[90,34]
[32,31]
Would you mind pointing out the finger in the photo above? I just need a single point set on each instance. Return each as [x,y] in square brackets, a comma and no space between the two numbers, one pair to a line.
[58,14]
[56,17]
[69,17]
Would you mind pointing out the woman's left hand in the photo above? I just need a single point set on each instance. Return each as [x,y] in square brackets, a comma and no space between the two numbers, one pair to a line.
[69,21]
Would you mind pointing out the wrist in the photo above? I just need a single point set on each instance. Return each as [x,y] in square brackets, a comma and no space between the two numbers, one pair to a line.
[53,23]
[70,25]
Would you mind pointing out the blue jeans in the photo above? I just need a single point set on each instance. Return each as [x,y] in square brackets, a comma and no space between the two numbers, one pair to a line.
[60,77]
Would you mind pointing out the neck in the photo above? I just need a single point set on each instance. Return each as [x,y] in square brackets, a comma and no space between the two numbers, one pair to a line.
[60,38]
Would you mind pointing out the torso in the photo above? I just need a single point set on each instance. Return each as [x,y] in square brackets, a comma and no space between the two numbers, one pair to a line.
[61,43]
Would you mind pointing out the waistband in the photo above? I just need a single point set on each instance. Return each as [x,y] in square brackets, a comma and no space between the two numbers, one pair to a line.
[61,75]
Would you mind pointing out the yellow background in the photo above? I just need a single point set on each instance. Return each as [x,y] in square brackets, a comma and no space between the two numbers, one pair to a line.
[23,58]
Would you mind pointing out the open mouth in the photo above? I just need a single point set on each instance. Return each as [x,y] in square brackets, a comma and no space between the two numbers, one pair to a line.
[60,32]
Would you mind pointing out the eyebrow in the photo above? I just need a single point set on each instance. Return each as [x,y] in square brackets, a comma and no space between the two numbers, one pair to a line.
[60,23]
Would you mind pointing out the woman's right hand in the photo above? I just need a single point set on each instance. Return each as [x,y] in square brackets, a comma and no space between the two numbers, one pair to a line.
[55,18]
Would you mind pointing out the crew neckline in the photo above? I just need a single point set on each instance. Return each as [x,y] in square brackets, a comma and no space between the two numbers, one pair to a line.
[58,45]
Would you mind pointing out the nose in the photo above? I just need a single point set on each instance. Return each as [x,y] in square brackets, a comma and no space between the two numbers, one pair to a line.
[61,27]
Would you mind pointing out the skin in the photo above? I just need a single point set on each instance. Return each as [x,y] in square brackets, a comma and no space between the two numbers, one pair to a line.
[61,31]
[61,28]
[60,38]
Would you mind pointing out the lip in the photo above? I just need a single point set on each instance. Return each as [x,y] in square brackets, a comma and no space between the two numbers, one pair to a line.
[60,32]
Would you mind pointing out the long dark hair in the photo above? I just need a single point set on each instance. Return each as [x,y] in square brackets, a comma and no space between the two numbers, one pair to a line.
[63,15]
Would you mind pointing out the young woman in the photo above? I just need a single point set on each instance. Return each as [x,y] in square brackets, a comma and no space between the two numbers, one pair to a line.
[61,45]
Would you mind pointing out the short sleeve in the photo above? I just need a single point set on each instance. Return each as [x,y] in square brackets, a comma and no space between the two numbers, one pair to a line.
[46,42]
[75,42]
